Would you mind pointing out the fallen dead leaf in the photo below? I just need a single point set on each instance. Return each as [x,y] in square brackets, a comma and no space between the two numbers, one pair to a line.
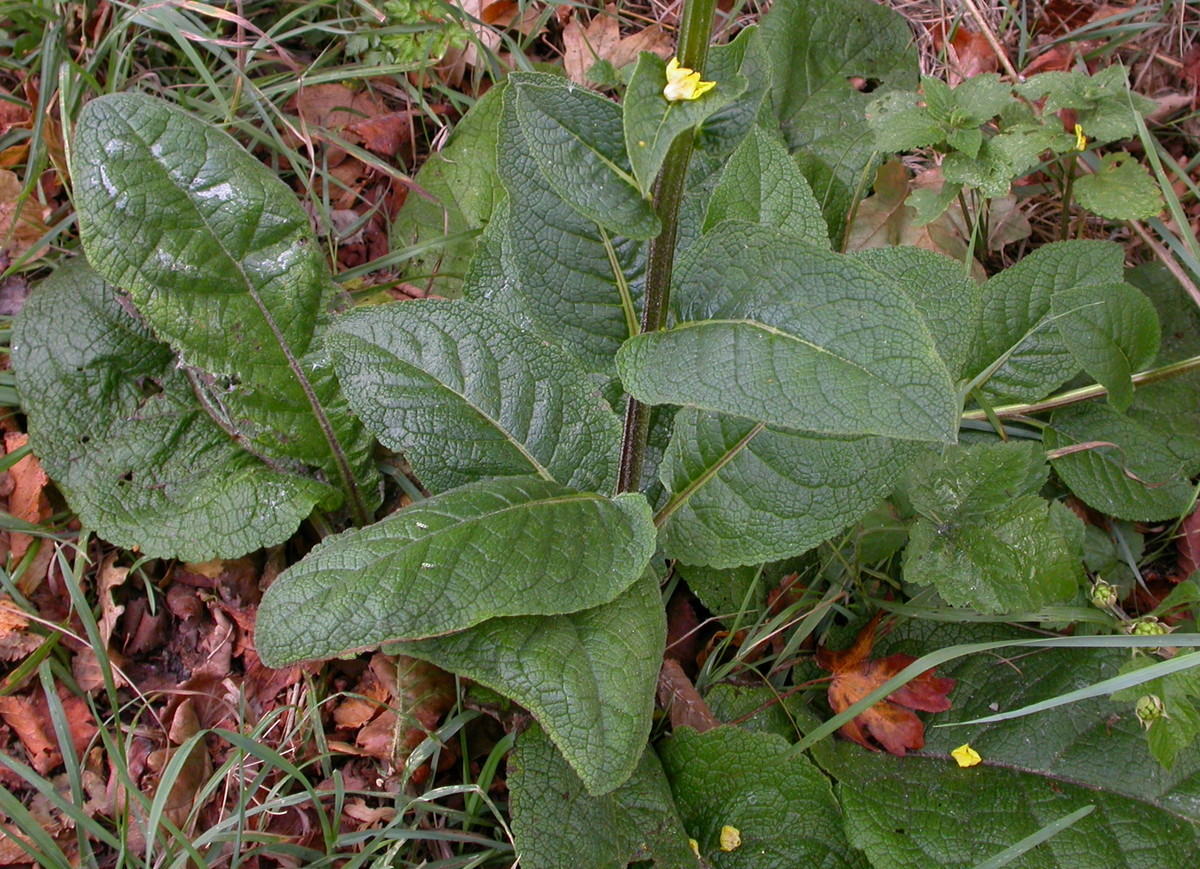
[583,45]
[682,701]
[890,723]
[196,769]
[22,714]
[22,219]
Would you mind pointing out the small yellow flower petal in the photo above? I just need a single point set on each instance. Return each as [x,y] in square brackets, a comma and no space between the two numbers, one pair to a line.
[966,756]
[695,847]
[684,83]
[1080,138]
[731,838]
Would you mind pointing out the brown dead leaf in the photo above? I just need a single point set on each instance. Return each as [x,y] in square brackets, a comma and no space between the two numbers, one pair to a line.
[890,723]
[27,500]
[384,134]
[33,729]
[683,702]
[196,769]
[583,46]
[22,219]
[16,640]
[968,52]
[654,39]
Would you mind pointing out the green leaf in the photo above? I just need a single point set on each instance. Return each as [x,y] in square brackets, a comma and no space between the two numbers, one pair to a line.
[652,122]
[1177,313]
[846,356]
[906,120]
[1145,477]
[543,261]
[743,57]
[1012,560]
[118,427]
[984,539]
[947,300]
[455,191]
[1121,189]
[781,805]
[503,547]
[751,369]
[762,184]
[972,102]
[556,823]
[1018,334]
[1170,735]
[814,48]
[219,258]
[1003,158]
[1113,332]
[1104,106]
[745,495]
[588,677]
[467,396]
[575,137]
[1035,770]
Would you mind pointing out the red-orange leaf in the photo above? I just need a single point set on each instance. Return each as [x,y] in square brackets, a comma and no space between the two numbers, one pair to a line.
[890,723]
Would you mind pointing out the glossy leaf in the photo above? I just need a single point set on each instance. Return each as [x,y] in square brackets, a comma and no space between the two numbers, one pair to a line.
[219,258]
[652,122]
[467,396]
[781,805]
[575,137]
[503,547]
[116,423]
[1103,103]
[1113,332]
[1122,189]
[1144,477]
[1018,333]
[814,48]
[588,677]
[843,356]
[761,183]
[740,495]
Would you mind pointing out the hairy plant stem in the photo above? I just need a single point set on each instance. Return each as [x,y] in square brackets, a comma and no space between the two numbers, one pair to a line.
[694,34]
[1086,393]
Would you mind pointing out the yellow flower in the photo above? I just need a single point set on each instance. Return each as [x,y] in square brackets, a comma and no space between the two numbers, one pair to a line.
[1080,138]
[731,838]
[684,83]
[966,756]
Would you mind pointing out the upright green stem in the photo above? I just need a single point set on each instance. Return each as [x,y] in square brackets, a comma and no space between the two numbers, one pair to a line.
[694,34]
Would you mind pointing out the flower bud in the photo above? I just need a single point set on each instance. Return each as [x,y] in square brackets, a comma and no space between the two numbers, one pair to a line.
[1103,595]
[1147,626]
[1149,708]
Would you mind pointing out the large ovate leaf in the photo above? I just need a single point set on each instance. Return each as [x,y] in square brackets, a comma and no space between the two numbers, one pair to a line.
[741,494]
[1113,332]
[947,299]
[503,547]
[457,191]
[762,184]
[220,259]
[576,139]
[1018,334]
[468,396]
[652,122]
[588,677]
[796,336]
[1144,477]
[814,48]
[1035,770]
[780,805]
[556,823]
[116,423]
[984,539]
[543,263]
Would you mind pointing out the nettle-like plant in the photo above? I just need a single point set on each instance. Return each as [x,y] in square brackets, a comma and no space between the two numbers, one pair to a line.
[658,361]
